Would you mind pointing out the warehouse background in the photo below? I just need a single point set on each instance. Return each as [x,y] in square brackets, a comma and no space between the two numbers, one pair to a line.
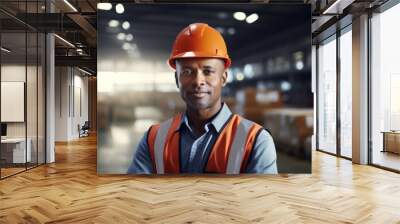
[269,81]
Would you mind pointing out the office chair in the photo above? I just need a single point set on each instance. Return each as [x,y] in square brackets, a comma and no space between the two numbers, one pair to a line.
[84,130]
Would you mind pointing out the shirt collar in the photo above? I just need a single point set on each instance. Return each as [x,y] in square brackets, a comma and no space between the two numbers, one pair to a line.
[218,121]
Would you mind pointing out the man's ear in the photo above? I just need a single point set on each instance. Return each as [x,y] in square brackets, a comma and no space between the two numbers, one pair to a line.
[176,80]
[224,77]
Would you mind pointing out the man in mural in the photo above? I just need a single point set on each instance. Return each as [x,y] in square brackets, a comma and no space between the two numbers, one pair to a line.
[207,138]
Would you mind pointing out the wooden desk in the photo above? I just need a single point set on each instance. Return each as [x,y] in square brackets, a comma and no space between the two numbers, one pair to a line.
[17,148]
[391,141]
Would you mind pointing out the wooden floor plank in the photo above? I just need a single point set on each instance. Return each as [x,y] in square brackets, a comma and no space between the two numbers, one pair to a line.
[70,191]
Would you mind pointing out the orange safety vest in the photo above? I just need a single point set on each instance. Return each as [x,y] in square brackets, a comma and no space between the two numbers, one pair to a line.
[229,154]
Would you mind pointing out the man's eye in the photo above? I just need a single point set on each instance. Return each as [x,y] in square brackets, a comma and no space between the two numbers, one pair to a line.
[207,72]
[186,72]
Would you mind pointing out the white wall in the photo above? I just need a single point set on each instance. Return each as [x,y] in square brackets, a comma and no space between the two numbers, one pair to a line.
[33,126]
[17,73]
[79,115]
[61,103]
[70,84]
[12,73]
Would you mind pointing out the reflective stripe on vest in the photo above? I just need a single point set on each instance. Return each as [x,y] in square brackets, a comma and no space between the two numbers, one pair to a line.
[238,145]
[229,154]
[164,146]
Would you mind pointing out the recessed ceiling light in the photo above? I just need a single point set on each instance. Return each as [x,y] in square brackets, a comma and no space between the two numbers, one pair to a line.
[113,23]
[239,16]
[119,8]
[120,36]
[299,65]
[104,6]
[252,18]
[126,25]
[129,37]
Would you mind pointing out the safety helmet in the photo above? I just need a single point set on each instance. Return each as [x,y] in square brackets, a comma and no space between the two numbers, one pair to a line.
[199,40]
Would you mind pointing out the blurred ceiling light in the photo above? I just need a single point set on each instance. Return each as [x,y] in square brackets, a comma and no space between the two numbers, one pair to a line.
[222,15]
[248,70]
[231,31]
[120,36]
[120,136]
[79,50]
[126,46]
[299,65]
[126,25]
[298,55]
[252,18]
[65,41]
[230,76]
[70,5]
[239,16]
[113,23]
[104,6]
[5,50]
[239,76]
[286,86]
[129,37]
[119,8]
[221,30]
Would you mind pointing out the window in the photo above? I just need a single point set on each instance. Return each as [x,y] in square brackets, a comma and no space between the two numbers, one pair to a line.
[385,88]
[346,93]
[327,96]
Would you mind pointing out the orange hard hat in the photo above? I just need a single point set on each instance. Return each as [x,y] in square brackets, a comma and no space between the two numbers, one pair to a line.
[199,40]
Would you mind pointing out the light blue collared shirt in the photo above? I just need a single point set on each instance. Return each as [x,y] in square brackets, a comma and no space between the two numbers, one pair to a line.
[195,151]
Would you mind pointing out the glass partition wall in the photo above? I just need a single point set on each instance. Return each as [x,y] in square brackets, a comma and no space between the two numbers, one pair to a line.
[385,89]
[327,95]
[345,93]
[334,94]
[22,77]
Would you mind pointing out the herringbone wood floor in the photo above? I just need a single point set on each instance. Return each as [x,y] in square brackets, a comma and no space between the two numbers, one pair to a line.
[70,191]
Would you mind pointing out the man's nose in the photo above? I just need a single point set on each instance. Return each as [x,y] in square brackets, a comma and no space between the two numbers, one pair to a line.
[199,78]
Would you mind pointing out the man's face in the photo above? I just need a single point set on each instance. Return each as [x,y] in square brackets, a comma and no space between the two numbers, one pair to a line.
[200,81]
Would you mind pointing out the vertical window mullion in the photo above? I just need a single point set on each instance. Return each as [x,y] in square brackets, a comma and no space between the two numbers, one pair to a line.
[26,85]
[317,97]
[338,98]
